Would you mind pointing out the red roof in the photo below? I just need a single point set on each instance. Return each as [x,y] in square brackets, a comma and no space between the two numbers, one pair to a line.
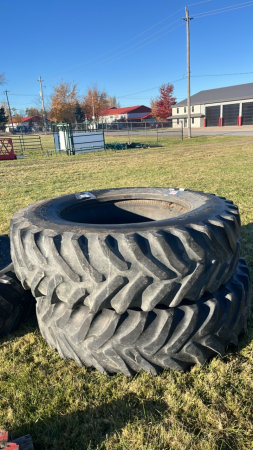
[32,118]
[147,116]
[14,121]
[106,111]
[116,111]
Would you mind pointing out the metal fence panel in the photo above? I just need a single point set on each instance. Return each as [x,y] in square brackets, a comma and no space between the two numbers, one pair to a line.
[88,141]
[26,143]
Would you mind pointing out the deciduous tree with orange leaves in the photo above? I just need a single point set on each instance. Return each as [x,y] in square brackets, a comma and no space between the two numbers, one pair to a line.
[64,99]
[94,101]
[161,106]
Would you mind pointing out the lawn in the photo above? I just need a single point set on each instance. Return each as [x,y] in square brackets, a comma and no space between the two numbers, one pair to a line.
[68,408]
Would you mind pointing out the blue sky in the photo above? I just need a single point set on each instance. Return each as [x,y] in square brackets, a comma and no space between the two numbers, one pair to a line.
[124,47]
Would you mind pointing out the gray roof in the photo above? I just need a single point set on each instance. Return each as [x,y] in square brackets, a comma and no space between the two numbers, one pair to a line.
[225,94]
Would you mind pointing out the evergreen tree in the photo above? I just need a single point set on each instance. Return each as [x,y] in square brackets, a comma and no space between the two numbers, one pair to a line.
[3,118]
[79,114]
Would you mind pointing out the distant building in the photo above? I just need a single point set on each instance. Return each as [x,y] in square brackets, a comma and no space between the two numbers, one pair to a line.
[131,114]
[34,122]
[232,105]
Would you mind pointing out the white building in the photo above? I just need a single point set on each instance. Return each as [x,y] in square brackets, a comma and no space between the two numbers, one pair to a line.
[228,106]
[131,113]
[34,122]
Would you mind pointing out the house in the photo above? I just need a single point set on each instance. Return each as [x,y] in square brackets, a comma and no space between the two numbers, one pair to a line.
[34,122]
[130,113]
[227,106]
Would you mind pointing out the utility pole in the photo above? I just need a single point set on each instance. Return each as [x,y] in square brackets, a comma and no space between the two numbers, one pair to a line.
[93,110]
[42,101]
[187,19]
[6,92]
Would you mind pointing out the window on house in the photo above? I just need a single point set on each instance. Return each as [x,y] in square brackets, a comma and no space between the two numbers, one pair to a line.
[185,122]
[192,119]
[185,109]
[177,110]
[192,108]
[177,121]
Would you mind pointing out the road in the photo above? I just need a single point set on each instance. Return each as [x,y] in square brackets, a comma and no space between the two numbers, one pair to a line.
[212,131]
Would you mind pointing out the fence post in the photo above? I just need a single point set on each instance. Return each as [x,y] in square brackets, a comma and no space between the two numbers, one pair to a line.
[145,128]
[128,133]
[182,130]
[156,132]
[22,143]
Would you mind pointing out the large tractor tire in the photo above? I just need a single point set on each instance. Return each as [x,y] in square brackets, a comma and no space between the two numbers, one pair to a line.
[16,304]
[165,337]
[124,248]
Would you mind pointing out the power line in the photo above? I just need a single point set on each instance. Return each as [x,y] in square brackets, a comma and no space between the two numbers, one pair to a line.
[221,10]
[121,45]
[157,87]
[229,68]
[24,95]
[221,74]
[108,62]
[224,7]
[146,90]
[123,53]
[112,58]
[103,63]
[193,4]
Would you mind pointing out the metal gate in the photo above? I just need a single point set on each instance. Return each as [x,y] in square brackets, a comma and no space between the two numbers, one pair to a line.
[230,114]
[212,116]
[25,144]
[247,113]
[77,142]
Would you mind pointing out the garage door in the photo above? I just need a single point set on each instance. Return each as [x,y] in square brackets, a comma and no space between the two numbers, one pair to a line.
[230,114]
[247,113]
[212,116]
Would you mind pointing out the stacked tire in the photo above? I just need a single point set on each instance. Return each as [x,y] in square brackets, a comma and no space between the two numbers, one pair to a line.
[134,279]
[16,304]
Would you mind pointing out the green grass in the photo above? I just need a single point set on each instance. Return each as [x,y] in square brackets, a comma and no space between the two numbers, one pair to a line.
[65,407]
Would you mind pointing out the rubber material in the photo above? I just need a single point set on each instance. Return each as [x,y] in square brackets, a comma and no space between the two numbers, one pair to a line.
[137,340]
[16,304]
[126,265]
[24,442]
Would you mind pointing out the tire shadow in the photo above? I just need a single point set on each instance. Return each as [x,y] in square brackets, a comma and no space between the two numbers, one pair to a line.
[29,326]
[247,245]
[247,254]
[91,427]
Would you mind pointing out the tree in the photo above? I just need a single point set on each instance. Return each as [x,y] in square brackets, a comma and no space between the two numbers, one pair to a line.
[30,112]
[112,101]
[16,117]
[161,106]
[2,78]
[79,113]
[3,118]
[63,104]
[154,110]
[93,102]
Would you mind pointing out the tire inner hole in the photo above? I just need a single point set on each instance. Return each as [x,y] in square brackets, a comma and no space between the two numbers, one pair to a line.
[122,211]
